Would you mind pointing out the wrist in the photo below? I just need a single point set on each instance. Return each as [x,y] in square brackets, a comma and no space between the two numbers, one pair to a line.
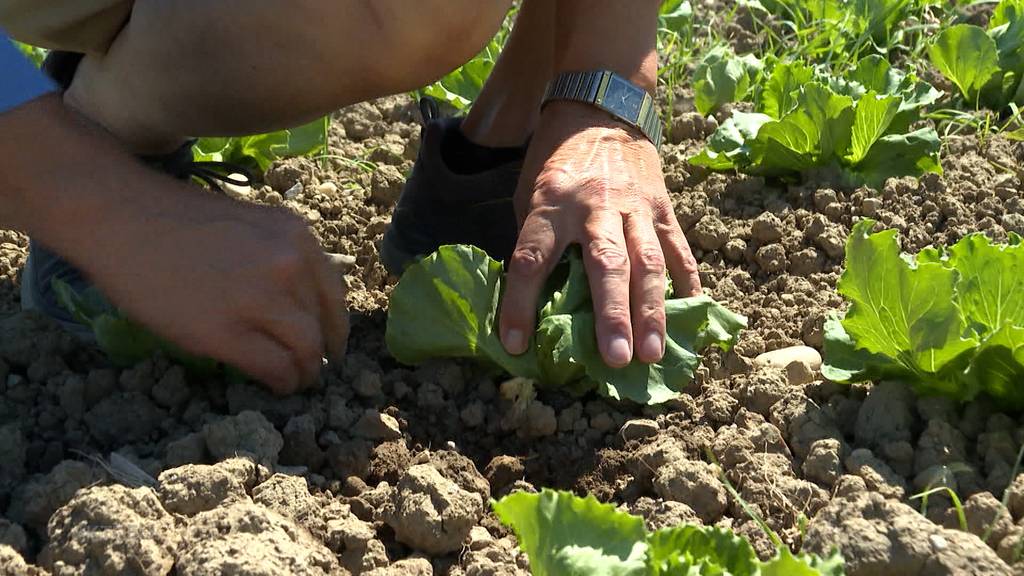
[577,117]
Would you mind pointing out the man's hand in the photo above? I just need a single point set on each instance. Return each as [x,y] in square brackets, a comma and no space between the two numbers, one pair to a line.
[592,180]
[247,285]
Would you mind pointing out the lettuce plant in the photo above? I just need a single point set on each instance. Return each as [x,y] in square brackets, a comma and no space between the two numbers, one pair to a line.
[985,64]
[566,535]
[446,305]
[259,151]
[948,321]
[722,77]
[858,125]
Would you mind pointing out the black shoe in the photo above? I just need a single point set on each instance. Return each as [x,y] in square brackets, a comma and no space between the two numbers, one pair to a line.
[440,206]
[44,265]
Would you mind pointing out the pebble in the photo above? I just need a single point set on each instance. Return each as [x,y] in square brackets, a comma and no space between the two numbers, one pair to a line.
[639,428]
[374,425]
[783,357]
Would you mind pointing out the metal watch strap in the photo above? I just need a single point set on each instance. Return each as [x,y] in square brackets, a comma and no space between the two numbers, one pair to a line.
[592,88]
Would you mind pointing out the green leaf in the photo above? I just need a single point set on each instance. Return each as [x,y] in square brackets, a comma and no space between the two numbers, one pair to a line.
[991,286]
[446,306]
[564,535]
[873,115]
[895,155]
[811,135]
[675,16]
[729,146]
[844,362]
[904,313]
[700,550]
[780,93]
[966,55]
[998,367]
[259,151]
[721,78]
[692,324]
[786,564]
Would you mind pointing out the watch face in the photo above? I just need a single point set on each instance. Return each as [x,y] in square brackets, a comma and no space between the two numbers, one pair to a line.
[623,98]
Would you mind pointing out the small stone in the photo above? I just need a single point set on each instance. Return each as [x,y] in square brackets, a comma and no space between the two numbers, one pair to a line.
[782,357]
[766,228]
[479,538]
[293,192]
[374,425]
[172,389]
[247,433]
[386,185]
[368,384]
[638,429]
[824,464]
[799,373]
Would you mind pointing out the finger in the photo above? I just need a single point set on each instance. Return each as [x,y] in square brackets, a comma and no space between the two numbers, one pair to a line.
[646,286]
[298,331]
[607,264]
[264,359]
[333,310]
[679,260]
[536,254]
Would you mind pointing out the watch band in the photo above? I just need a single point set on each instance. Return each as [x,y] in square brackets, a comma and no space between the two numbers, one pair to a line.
[612,93]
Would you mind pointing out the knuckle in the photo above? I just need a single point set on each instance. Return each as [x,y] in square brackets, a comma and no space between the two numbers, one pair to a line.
[649,260]
[527,261]
[608,258]
[653,314]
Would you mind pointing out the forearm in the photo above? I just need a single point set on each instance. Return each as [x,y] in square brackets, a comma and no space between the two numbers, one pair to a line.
[60,178]
[615,35]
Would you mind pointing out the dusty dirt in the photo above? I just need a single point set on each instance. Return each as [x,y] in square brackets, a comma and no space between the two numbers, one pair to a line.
[387,469]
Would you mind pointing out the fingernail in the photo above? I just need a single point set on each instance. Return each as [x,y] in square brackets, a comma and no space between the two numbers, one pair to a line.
[514,341]
[652,348]
[618,351]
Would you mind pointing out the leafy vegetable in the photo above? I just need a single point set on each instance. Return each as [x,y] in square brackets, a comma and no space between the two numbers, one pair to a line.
[565,535]
[258,152]
[124,341]
[674,16]
[446,305]
[858,125]
[33,53]
[722,77]
[950,322]
[986,65]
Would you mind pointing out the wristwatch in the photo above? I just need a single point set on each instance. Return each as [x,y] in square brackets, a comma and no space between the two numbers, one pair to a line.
[612,93]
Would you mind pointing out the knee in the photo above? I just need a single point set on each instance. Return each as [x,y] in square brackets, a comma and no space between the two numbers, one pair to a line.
[438,36]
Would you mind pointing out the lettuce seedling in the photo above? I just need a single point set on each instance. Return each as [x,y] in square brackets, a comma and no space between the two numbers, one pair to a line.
[948,321]
[565,535]
[446,305]
[857,125]
[985,64]
[259,151]
[723,77]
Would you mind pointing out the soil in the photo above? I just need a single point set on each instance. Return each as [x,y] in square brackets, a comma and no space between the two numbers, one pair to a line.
[387,469]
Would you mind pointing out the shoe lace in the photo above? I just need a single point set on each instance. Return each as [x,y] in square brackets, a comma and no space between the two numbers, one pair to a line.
[181,164]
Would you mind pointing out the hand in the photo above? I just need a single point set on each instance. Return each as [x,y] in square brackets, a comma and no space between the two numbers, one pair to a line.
[592,180]
[244,284]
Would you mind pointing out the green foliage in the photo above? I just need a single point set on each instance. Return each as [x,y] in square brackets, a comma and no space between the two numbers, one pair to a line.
[258,152]
[462,85]
[723,77]
[949,322]
[675,17]
[124,341]
[565,535]
[446,305]
[986,65]
[857,125]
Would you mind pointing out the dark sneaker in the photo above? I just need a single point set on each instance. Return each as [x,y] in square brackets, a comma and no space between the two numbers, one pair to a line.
[44,265]
[439,206]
